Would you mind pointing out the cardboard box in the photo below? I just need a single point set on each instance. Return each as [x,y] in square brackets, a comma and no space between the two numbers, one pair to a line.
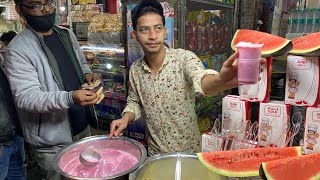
[273,119]
[211,142]
[311,138]
[259,92]
[302,81]
[234,109]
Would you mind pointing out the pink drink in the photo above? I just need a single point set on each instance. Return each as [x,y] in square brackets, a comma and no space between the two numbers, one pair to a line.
[116,157]
[249,62]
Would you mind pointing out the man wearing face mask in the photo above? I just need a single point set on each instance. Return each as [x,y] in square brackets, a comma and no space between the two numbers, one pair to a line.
[45,69]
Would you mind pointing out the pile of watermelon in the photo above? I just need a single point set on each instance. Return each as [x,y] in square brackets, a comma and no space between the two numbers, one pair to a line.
[269,163]
[273,45]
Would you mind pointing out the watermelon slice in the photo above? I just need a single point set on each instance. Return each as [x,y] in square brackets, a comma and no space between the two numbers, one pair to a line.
[308,45]
[245,162]
[304,167]
[272,45]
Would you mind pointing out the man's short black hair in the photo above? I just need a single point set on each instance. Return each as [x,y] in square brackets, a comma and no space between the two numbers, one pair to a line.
[17,2]
[8,36]
[146,7]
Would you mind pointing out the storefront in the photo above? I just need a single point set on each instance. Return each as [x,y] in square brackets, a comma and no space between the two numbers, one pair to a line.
[279,110]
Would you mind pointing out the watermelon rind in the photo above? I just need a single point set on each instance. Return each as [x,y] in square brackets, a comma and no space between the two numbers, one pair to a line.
[315,53]
[307,168]
[246,173]
[228,173]
[317,177]
[264,173]
[282,48]
[265,176]
[300,45]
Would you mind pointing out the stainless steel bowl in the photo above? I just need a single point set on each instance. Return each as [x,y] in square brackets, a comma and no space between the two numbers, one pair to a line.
[174,166]
[82,142]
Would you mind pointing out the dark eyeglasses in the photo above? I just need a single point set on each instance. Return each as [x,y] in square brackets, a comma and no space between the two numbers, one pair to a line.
[39,7]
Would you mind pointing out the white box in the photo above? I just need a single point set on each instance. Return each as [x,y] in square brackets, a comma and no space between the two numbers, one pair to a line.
[302,81]
[311,138]
[210,143]
[272,122]
[234,110]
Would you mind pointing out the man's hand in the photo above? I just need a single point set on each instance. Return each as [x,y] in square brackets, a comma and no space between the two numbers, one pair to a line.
[228,72]
[91,78]
[85,97]
[226,79]
[118,126]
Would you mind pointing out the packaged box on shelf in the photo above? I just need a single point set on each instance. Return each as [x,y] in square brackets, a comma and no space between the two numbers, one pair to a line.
[302,81]
[107,110]
[235,111]
[110,108]
[208,109]
[259,92]
[273,118]
[211,142]
[311,138]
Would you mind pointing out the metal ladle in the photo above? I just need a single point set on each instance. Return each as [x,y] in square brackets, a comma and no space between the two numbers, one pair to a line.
[89,157]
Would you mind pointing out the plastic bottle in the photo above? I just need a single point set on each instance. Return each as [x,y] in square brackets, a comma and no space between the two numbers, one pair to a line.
[315,21]
[294,22]
[290,22]
[307,21]
[299,20]
[318,18]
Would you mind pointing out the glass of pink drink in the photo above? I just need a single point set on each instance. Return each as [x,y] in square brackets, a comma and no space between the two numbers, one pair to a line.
[248,62]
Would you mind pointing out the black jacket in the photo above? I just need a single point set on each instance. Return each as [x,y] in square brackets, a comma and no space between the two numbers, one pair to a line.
[8,114]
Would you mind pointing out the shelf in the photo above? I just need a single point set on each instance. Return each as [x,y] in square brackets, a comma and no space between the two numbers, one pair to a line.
[101,71]
[105,118]
[82,42]
[119,58]
[207,5]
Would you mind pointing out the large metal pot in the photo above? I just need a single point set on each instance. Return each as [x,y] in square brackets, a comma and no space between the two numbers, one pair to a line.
[138,151]
[174,166]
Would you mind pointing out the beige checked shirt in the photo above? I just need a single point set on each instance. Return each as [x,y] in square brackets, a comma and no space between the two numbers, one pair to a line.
[167,99]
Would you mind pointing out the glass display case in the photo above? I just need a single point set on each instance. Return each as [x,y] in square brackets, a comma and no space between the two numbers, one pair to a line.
[109,63]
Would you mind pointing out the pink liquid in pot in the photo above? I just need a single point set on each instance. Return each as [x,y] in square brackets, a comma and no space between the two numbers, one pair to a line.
[116,157]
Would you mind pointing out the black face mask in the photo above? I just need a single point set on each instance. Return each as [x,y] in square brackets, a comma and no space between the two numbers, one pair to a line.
[41,23]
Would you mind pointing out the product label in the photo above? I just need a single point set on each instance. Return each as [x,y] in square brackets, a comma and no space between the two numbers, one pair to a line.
[311,138]
[272,124]
[302,81]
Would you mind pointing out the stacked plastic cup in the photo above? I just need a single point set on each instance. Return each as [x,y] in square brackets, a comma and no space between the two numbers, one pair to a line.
[248,62]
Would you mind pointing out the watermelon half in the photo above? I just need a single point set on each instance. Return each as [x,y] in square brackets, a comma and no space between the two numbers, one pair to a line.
[308,45]
[245,162]
[272,45]
[306,167]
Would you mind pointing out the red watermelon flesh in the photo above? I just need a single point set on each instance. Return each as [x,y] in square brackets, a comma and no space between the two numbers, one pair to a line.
[245,162]
[272,45]
[306,167]
[308,45]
